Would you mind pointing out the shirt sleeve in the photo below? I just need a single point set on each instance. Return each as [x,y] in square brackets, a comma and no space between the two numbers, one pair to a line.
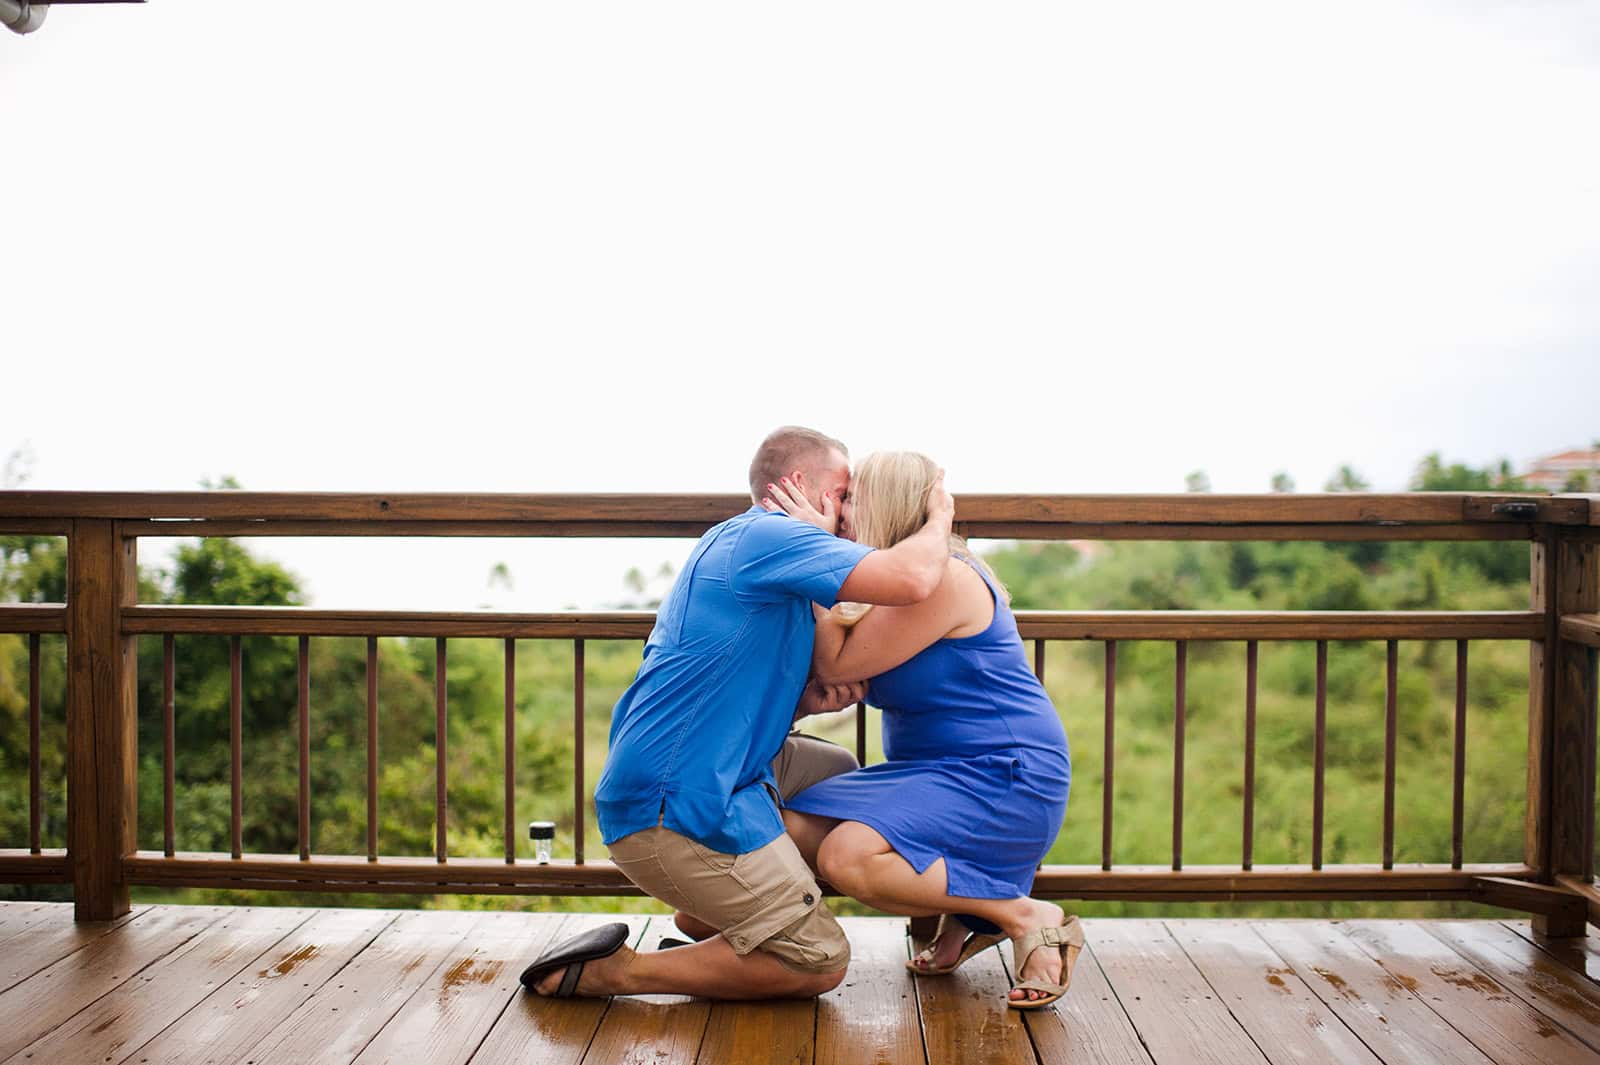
[779,557]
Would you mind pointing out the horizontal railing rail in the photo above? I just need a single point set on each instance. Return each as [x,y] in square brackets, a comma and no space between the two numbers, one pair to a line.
[102,621]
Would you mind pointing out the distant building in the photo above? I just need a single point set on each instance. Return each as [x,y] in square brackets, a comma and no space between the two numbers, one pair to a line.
[1565,472]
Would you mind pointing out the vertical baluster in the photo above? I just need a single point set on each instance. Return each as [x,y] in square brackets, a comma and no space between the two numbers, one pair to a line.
[236,740]
[1108,760]
[169,744]
[1180,711]
[1391,722]
[1252,660]
[35,788]
[372,748]
[441,751]
[579,791]
[511,749]
[304,714]
[1038,660]
[1319,754]
[861,733]
[1458,775]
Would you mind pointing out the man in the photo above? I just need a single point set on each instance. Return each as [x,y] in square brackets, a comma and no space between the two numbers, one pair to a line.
[688,801]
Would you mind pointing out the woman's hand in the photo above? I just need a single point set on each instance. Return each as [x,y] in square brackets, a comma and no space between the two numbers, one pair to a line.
[820,698]
[789,497]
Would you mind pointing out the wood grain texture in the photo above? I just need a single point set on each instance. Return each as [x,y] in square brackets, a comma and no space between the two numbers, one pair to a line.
[47,867]
[1552,988]
[1451,508]
[1582,629]
[342,1017]
[162,993]
[495,875]
[54,994]
[446,1018]
[1581,954]
[1032,624]
[102,718]
[965,1017]
[1285,1019]
[1171,1006]
[1573,690]
[33,617]
[47,938]
[247,1009]
[547,1030]
[1395,1024]
[872,1015]
[651,1029]
[1465,997]
[1088,1026]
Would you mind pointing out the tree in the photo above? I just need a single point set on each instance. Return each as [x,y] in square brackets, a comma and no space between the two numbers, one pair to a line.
[1282,482]
[1346,479]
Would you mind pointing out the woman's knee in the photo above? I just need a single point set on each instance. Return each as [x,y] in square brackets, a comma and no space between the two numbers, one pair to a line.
[840,861]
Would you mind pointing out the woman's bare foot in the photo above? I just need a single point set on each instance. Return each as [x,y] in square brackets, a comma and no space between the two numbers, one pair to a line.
[946,947]
[603,976]
[1045,963]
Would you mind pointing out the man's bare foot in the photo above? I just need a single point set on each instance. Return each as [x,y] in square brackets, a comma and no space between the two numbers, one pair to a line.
[601,977]
[1045,963]
[693,927]
[945,949]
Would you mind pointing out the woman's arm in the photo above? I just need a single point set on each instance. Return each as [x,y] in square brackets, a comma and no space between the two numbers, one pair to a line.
[890,635]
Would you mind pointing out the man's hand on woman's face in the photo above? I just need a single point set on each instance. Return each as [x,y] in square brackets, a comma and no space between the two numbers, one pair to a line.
[789,497]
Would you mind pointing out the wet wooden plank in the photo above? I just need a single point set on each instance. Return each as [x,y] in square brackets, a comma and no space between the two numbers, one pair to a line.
[1528,972]
[446,1018]
[341,1018]
[1499,1024]
[1088,1026]
[872,1015]
[650,1029]
[15,916]
[159,995]
[1285,1019]
[779,1032]
[48,940]
[965,1017]
[1171,1006]
[52,995]
[1395,1024]
[1579,953]
[550,1031]
[247,1009]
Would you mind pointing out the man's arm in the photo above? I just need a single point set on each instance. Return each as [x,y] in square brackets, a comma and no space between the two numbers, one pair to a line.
[909,571]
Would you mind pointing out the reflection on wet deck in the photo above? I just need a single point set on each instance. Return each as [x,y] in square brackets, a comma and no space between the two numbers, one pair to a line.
[261,985]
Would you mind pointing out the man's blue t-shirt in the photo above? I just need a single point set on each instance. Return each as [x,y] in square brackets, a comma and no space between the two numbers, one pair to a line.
[694,736]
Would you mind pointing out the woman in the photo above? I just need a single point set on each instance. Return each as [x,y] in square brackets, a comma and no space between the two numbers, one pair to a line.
[975,784]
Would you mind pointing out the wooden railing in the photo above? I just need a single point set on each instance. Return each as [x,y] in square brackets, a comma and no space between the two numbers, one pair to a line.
[102,619]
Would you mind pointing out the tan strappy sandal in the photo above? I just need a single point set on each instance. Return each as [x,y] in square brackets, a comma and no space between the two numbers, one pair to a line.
[975,943]
[1066,937]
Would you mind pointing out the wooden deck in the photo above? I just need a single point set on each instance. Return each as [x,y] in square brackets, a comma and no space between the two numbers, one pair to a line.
[263,986]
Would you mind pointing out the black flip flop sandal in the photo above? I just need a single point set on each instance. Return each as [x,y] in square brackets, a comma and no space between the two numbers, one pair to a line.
[592,945]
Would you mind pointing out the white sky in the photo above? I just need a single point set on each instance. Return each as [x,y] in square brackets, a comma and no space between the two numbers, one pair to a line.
[596,247]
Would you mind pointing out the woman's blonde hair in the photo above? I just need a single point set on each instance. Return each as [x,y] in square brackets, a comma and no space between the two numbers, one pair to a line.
[888,503]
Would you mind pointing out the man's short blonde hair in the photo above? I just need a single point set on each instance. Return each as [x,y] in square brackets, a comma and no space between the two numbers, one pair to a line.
[786,449]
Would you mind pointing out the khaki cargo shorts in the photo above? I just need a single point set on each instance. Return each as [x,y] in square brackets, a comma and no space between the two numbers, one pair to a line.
[764,900]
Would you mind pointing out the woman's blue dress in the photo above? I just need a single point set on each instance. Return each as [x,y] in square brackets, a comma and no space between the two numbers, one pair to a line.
[977,768]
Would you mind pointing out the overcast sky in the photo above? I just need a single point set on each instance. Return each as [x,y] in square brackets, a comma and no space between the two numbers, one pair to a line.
[594,247]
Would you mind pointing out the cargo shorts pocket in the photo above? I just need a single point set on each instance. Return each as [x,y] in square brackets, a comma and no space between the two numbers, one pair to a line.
[791,921]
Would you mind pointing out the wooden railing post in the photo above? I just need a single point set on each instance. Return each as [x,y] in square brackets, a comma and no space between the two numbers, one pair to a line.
[1561,724]
[102,717]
